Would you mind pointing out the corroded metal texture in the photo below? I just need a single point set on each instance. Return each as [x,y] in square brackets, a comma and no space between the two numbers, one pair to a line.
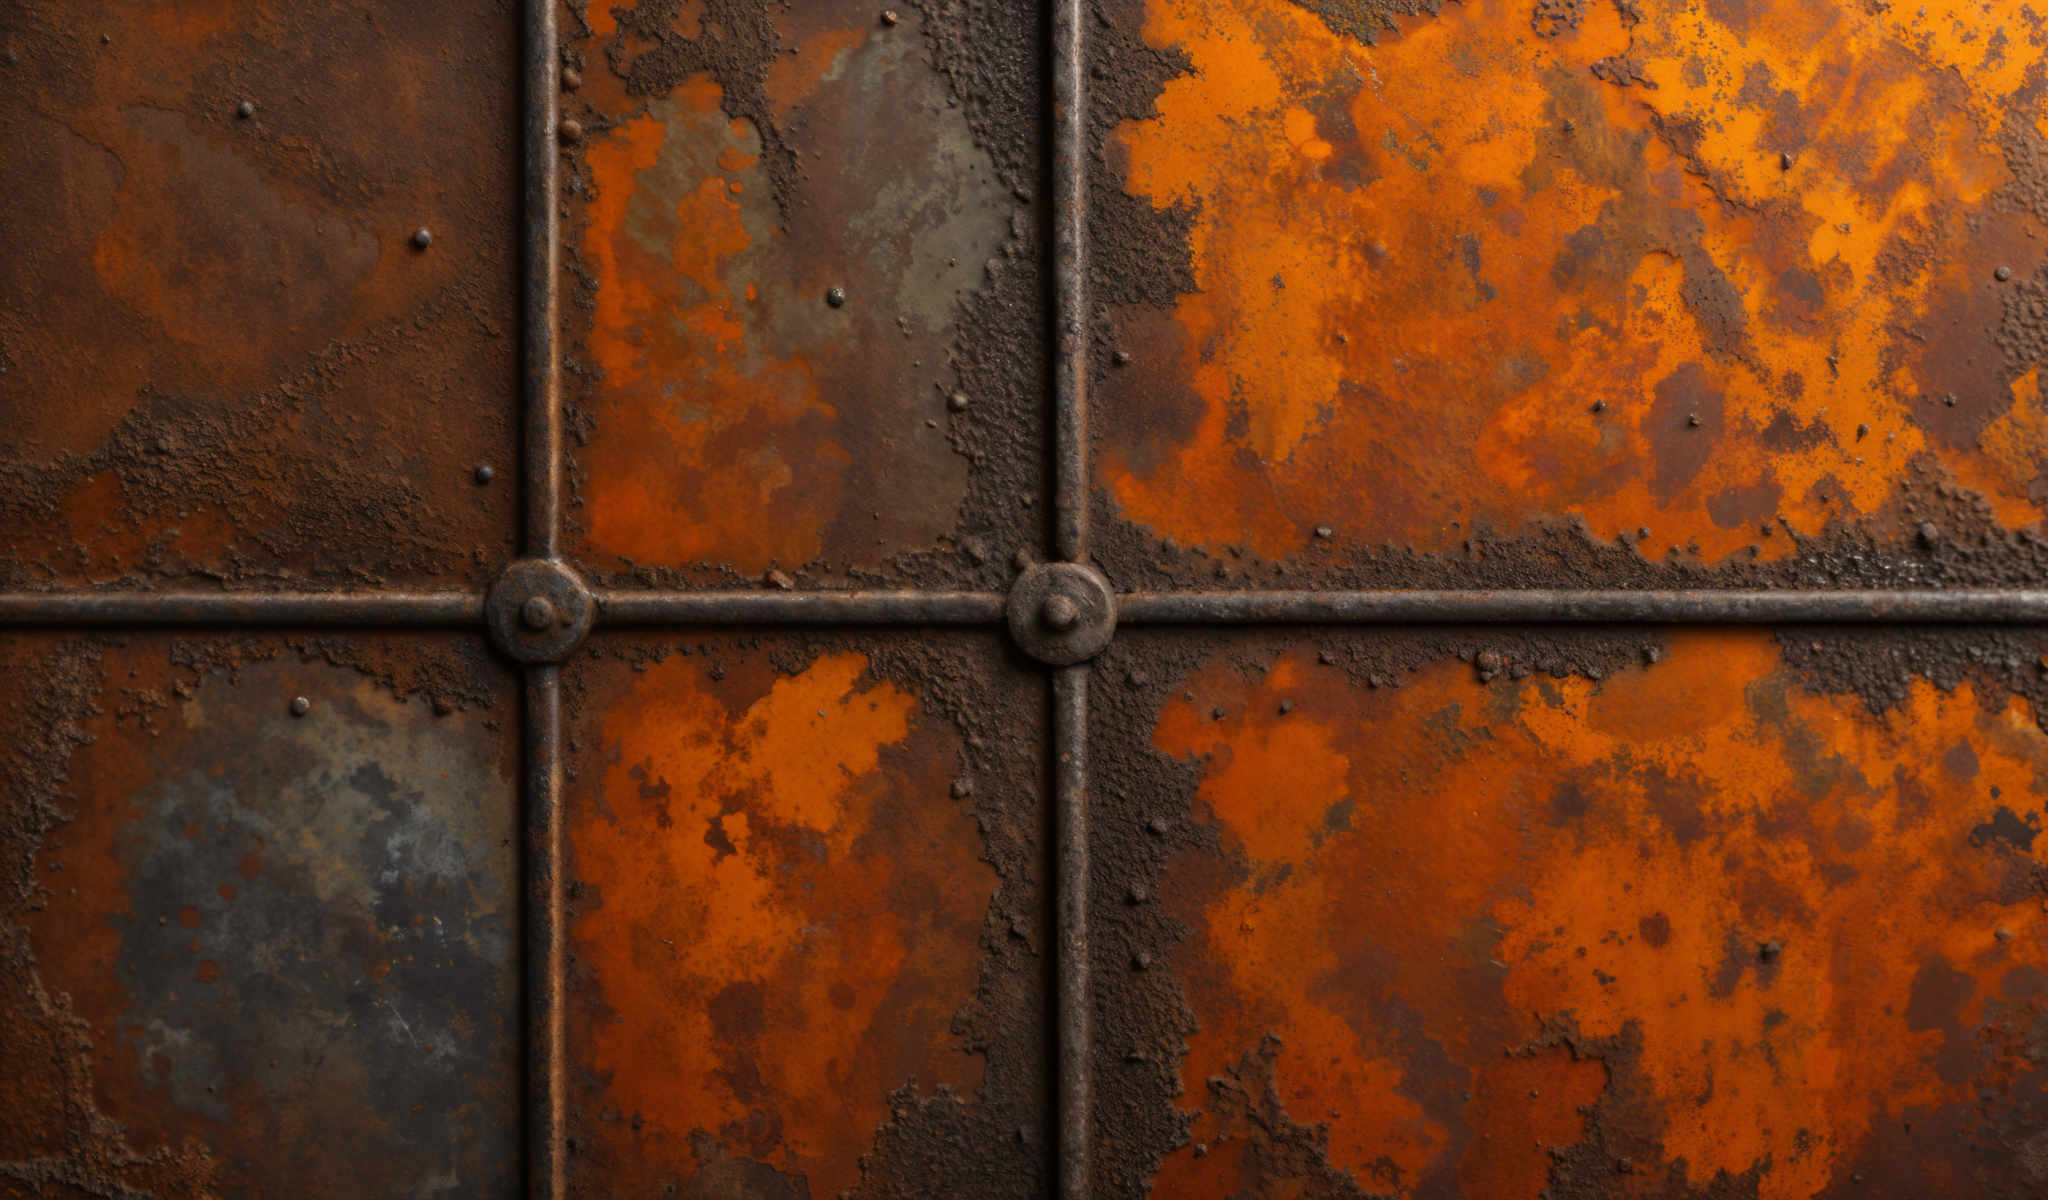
[260,920]
[1649,280]
[806,936]
[805,314]
[222,355]
[1438,914]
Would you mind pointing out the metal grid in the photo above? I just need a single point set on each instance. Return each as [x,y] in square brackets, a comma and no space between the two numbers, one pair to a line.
[541,480]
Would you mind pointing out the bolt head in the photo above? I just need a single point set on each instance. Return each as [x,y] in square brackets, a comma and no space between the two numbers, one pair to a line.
[484,474]
[245,110]
[957,402]
[836,297]
[2002,274]
[889,16]
[422,238]
[1059,613]
[537,613]
[301,706]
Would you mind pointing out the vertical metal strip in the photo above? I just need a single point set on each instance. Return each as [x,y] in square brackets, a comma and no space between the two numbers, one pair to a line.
[1070,283]
[541,489]
[541,479]
[1071,965]
[542,893]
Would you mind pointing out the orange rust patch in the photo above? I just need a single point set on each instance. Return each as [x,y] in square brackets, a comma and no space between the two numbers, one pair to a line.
[1771,928]
[1420,264]
[739,419]
[784,921]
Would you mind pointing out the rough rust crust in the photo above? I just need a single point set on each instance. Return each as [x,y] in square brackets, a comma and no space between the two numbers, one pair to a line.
[221,359]
[1514,293]
[734,416]
[806,928]
[248,951]
[1682,917]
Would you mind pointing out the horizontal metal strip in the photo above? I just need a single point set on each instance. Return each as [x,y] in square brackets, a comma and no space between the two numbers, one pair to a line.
[909,608]
[799,608]
[255,609]
[1697,606]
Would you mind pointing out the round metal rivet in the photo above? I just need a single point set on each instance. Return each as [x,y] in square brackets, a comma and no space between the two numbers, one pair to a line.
[957,402]
[571,80]
[245,110]
[1059,613]
[2002,274]
[301,706]
[422,238]
[836,297]
[484,474]
[538,610]
[889,16]
[570,130]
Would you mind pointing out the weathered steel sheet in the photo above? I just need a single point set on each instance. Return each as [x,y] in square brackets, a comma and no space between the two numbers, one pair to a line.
[1703,281]
[806,304]
[252,947]
[1450,914]
[805,928]
[221,352]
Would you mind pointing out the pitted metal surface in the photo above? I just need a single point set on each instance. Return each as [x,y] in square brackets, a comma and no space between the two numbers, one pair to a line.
[1440,382]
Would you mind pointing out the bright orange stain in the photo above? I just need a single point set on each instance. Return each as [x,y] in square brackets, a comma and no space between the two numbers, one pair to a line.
[784,920]
[1420,264]
[1760,929]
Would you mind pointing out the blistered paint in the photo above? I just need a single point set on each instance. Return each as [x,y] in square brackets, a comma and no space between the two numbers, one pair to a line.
[777,902]
[1693,927]
[284,947]
[738,416]
[1645,265]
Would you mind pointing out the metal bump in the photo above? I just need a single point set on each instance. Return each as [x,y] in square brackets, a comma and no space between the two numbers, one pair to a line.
[301,706]
[571,80]
[1061,613]
[570,131]
[836,297]
[2002,274]
[538,610]
[422,238]
[889,16]
[957,402]
[484,473]
[538,613]
[245,110]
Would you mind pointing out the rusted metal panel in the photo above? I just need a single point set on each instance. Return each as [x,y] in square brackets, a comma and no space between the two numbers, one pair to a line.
[222,354]
[806,308]
[1602,914]
[261,919]
[805,931]
[1708,282]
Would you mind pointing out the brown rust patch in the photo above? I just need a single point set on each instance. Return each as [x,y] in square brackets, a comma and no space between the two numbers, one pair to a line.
[1459,279]
[1690,929]
[798,225]
[251,953]
[219,356]
[789,933]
